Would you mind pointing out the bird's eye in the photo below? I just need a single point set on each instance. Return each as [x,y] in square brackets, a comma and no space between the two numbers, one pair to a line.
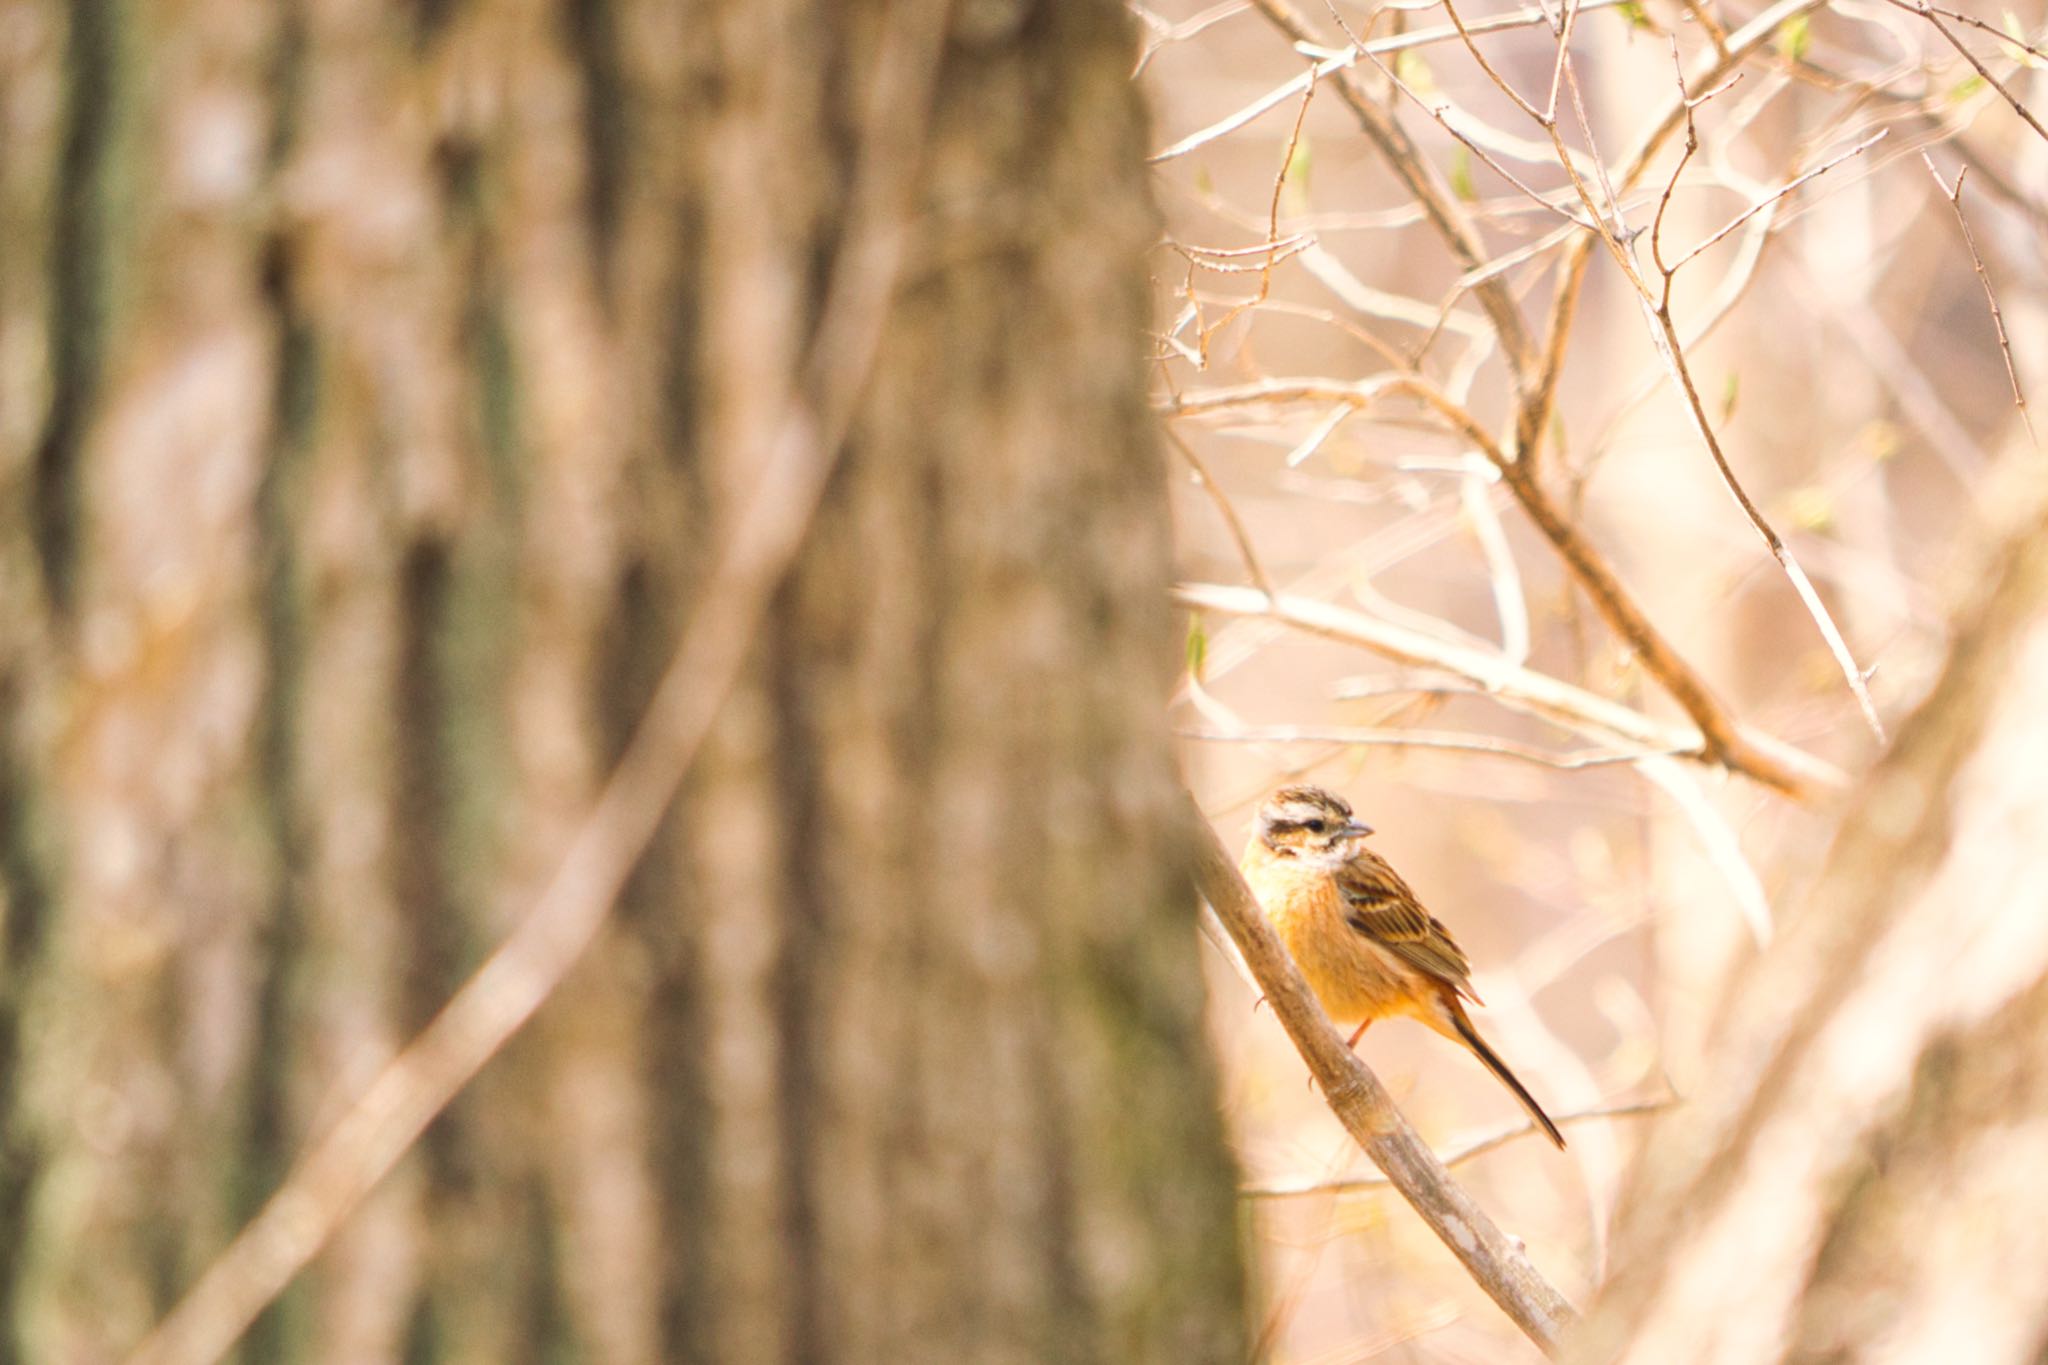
[1315,826]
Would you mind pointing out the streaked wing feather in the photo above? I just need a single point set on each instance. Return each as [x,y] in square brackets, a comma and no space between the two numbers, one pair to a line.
[1379,905]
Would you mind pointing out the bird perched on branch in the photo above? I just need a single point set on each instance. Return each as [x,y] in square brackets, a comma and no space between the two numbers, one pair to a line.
[1365,944]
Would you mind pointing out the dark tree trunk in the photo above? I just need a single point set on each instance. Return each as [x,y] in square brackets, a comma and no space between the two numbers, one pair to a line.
[394,370]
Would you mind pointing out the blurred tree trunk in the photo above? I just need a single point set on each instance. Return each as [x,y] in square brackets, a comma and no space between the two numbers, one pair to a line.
[372,381]
[1857,1176]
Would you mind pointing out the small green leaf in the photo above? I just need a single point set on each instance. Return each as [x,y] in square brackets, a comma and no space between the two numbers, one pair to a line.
[1413,71]
[1198,647]
[1964,88]
[1461,174]
[1637,16]
[2017,49]
[1294,180]
[1297,164]
[1205,184]
[1729,392]
[1813,508]
[1795,36]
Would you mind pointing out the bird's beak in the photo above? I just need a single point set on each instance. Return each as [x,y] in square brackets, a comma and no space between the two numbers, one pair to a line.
[1354,830]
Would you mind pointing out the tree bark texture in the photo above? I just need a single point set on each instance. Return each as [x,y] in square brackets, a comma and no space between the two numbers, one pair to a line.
[1857,1175]
[374,380]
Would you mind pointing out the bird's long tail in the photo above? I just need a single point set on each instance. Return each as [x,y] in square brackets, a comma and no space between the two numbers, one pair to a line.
[1469,1036]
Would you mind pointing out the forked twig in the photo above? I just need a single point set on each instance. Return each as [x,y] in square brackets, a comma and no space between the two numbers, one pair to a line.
[1954,195]
[1934,16]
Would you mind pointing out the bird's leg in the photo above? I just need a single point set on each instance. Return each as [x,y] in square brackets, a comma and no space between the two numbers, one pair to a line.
[1358,1033]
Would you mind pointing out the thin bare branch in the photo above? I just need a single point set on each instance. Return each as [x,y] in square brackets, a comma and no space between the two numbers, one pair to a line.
[1424,739]
[1482,143]
[1469,1152]
[1764,758]
[1272,99]
[1252,567]
[1775,195]
[1670,349]
[1500,81]
[1273,243]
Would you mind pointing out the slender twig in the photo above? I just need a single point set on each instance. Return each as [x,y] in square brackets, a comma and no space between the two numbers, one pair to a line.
[1794,572]
[1223,258]
[1470,1152]
[1671,350]
[1567,74]
[1252,567]
[1712,311]
[1954,195]
[795,463]
[1497,1263]
[1273,240]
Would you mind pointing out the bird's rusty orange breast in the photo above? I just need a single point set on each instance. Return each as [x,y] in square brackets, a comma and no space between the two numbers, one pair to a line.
[1353,978]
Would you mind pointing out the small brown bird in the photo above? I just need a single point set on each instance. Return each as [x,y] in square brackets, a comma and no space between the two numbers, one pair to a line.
[1367,947]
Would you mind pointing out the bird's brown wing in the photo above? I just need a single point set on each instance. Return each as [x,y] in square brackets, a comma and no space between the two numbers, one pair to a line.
[1379,905]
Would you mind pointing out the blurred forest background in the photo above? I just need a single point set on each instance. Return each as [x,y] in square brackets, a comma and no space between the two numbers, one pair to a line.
[680,523]
[1423,401]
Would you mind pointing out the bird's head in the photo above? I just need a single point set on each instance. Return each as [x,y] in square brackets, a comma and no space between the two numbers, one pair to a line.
[1299,822]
